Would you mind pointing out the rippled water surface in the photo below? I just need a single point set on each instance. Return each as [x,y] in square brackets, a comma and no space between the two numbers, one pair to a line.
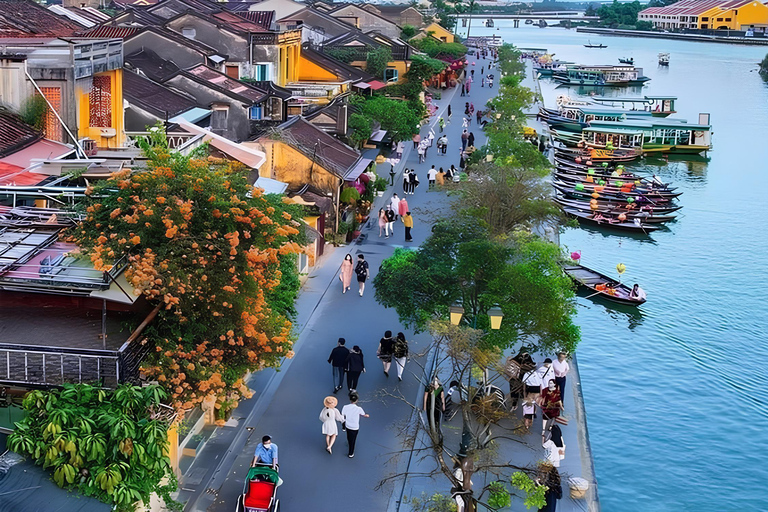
[677,392]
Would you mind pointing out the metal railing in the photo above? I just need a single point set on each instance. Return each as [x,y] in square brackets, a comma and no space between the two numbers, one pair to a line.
[175,139]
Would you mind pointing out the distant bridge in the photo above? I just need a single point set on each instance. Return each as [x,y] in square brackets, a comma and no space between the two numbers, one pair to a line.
[572,16]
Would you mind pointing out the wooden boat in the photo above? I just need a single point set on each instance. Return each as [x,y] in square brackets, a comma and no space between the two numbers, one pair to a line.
[626,60]
[660,209]
[644,216]
[611,187]
[635,225]
[622,75]
[658,106]
[570,191]
[663,59]
[598,154]
[592,279]
[610,181]
[590,45]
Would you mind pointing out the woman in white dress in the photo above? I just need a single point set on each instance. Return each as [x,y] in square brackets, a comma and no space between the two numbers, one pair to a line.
[329,416]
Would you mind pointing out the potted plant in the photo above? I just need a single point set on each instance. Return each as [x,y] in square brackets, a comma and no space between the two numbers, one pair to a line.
[380,185]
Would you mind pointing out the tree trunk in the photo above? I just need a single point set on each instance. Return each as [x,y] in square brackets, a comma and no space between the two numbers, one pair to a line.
[467,469]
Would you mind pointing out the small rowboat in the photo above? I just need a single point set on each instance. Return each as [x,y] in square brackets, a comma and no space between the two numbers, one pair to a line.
[610,223]
[612,188]
[645,185]
[626,60]
[590,45]
[662,209]
[592,280]
[644,216]
[570,191]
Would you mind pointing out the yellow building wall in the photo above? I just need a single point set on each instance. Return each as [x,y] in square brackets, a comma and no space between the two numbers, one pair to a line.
[117,118]
[400,65]
[290,166]
[440,33]
[311,72]
[173,448]
[755,13]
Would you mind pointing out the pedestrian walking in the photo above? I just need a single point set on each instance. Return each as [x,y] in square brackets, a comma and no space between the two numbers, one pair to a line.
[434,403]
[463,90]
[355,366]
[382,221]
[420,152]
[395,202]
[471,139]
[442,144]
[471,108]
[414,181]
[449,112]
[406,181]
[464,139]
[389,229]
[482,70]
[265,453]
[408,223]
[561,368]
[553,444]
[469,85]
[400,351]
[329,416]
[430,138]
[547,372]
[346,272]
[466,108]
[463,160]
[529,413]
[441,124]
[479,116]
[440,177]
[551,406]
[416,139]
[469,120]
[403,206]
[338,361]
[385,350]
[362,271]
[532,382]
[352,414]
[431,175]
[472,72]
[550,477]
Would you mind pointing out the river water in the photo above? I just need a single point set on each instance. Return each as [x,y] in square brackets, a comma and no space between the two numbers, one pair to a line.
[677,392]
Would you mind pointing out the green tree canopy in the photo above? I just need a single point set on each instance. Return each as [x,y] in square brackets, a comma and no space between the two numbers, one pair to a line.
[618,14]
[395,116]
[376,61]
[460,261]
[408,31]
[437,49]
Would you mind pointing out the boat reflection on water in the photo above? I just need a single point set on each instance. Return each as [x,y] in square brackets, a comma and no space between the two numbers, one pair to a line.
[607,92]
[619,312]
[621,235]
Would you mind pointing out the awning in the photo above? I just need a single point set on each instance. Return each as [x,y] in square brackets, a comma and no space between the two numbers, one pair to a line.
[271,186]
[378,135]
[358,169]
[15,175]
[218,59]
[252,158]
[192,115]
[362,85]
[376,85]
[41,150]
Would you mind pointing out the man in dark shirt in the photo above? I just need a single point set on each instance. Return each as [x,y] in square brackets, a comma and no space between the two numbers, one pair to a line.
[338,360]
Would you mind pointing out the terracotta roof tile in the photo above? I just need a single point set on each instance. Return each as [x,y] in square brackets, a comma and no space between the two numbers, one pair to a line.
[154,97]
[25,18]
[15,134]
[227,84]
[108,32]
[329,151]
[263,19]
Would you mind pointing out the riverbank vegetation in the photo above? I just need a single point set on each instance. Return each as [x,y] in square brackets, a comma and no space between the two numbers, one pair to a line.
[620,15]
[764,68]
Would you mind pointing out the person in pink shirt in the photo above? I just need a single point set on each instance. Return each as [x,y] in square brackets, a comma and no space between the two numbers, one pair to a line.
[561,368]
[402,207]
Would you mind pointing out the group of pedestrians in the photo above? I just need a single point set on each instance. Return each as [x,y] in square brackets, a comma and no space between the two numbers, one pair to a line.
[541,389]
[352,364]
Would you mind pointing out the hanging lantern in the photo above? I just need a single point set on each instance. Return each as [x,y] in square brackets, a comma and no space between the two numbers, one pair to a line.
[637,182]
[599,188]
[589,179]
[593,206]
[590,171]
[595,195]
[630,200]
[622,217]
[589,163]
[601,182]
[619,183]
[576,256]
[579,187]
[380,159]
[578,159]
[620,268]
[605,164]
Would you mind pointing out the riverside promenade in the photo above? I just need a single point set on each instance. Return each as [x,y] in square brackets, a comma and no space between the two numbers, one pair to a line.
[286,403]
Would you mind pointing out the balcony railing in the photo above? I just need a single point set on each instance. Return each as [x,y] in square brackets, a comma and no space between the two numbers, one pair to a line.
[175,139]
[53,366]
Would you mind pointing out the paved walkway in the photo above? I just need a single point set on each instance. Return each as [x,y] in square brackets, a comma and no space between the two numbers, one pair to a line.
[287,403]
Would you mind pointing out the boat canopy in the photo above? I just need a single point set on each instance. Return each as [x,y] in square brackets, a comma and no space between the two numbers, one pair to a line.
[614,131]
[651,124]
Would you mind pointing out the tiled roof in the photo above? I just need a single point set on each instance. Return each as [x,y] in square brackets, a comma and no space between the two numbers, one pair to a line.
[19,18]
[109,32]
[151,64]
[15,175]
[694,7]
[15,134]
[329,151]
[262,18]
[154,97]
[313,17]
[236,21]
[227,85]
[274,89]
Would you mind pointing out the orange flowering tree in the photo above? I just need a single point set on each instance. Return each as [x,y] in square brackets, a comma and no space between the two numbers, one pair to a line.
[211,250]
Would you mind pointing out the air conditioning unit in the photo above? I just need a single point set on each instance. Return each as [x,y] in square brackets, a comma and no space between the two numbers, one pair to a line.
[89,146]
